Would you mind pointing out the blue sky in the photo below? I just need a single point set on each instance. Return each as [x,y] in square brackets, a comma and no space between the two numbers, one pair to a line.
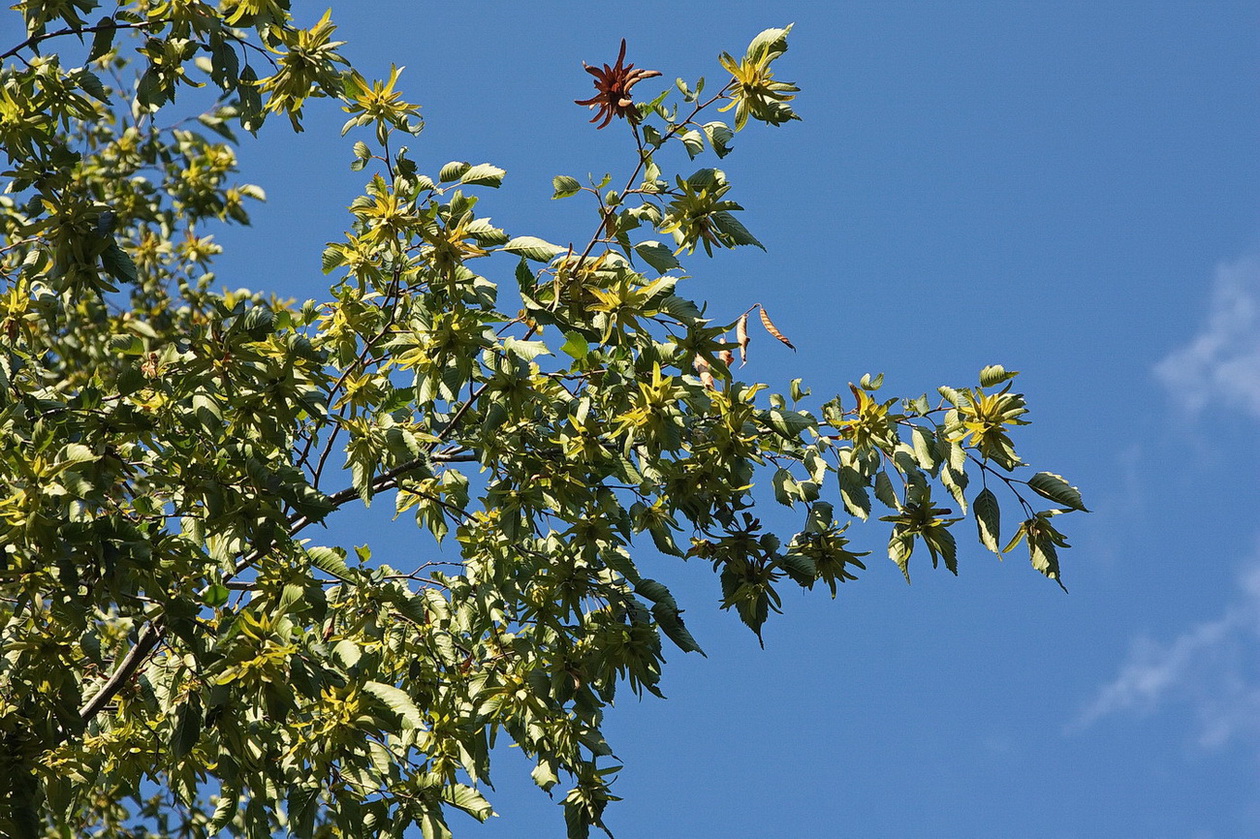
[1069,189]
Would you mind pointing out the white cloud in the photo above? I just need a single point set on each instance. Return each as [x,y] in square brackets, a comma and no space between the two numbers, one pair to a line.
[1213,669]
[1222,363]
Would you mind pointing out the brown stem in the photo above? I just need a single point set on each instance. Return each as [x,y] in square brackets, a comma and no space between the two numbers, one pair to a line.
[150,637]
[71,30]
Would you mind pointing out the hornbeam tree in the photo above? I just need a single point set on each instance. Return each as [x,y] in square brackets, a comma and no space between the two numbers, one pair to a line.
[181,656]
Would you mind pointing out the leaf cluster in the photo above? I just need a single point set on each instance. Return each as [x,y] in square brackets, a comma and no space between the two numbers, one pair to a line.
[550,415]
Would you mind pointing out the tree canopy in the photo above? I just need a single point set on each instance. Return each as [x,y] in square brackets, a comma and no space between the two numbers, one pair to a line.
[181,654]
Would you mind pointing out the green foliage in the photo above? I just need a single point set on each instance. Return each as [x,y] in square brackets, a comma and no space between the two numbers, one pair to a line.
[166,449]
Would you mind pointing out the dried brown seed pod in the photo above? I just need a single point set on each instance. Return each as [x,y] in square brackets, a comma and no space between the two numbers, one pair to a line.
[773,330]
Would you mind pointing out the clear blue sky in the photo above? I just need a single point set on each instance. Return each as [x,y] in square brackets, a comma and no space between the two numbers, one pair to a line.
[1069,189]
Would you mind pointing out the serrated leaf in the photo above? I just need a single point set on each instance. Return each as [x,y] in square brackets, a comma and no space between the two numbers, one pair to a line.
[853,492]
[655,591]
[347,653]
[669,619]
[103,40]
[693,141]
[719,134]
[884,490]
[940,542]
[988,519]
[924,447]
[528,350]
[531,247]
[1057,489]
[258,321]
[790,424]
[469,800]
[770,42]
[91,85]
[657,255]
[187,730]
[117,263]
[398,702]
[575,345]
[956,482]
[453,171]
[330,561]
[565,186]
[872,383]
[900,547]
[953,397]
[76,453]
[1044,557]
[544,774]
[483,174]
[995,374]
[786,489]
[734,229]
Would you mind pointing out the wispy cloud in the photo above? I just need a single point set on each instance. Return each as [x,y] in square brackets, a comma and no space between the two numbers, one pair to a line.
[1212,668]
[1222,363]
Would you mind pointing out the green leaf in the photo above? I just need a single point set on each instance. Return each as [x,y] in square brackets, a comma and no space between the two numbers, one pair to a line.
[215,595]
[187,730]
[544,774]
[871,383]
[528,350]
[953,397]
[669,619]
[565,186]
[884,490]
[995,374]
[940,542]
[1057,489]
[789,424]
[853,491]
[734,229]
[693,141]
[91,85]
[1045,558]
[117,263]
[719,134]
[398,702]
[772,42]
[786,488]
[469,800]
[347,653]
[955,480]
[657,255]
[483,174]
[531,247]
[453,171]
[900,546]
[924,447]
[76,453]
[103,39]
[258,321]
[330,561]
[988,519]
[575,345]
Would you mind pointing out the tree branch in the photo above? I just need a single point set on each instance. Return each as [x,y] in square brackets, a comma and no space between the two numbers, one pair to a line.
[70,30]
[150,637]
